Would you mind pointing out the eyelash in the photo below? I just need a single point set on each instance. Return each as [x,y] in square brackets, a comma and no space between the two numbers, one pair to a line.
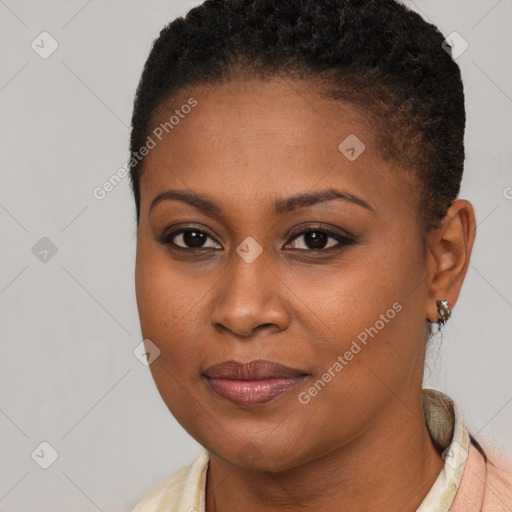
[343,240]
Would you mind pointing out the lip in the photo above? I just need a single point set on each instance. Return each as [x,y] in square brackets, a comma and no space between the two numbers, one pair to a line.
[252,383]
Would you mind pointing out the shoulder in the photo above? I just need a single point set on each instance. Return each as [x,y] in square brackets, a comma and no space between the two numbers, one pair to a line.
[486,482]
[486,485]
[498,488]
[176,488]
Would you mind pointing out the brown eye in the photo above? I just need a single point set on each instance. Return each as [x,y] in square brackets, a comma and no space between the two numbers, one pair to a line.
[319,239]
[189,239]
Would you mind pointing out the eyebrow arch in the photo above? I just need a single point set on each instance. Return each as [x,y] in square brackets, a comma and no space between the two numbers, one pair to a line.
[310,198]
[281,206]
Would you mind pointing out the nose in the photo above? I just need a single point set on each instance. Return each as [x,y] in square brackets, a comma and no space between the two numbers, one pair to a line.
[249,298]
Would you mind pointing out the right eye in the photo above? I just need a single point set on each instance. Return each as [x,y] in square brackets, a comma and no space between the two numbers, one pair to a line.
[189,239]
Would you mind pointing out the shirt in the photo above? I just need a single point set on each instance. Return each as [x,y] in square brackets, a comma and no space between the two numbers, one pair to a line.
[468,482]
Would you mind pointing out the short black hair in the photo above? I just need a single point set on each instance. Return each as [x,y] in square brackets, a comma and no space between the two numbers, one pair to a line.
[376,54]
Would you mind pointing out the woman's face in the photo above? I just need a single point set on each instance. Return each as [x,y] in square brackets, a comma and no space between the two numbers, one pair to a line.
[343,306]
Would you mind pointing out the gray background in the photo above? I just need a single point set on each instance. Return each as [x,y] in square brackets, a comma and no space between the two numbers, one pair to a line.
[69,324]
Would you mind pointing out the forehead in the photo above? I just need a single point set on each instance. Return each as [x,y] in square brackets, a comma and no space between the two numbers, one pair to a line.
[279,113]
[260,137]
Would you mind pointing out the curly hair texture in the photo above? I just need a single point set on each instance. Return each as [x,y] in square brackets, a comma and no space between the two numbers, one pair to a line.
[375,54]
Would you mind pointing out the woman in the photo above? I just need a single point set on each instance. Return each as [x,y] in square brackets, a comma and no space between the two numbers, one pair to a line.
[296,167]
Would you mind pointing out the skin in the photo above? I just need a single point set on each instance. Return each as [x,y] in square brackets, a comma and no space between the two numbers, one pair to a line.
[361,443]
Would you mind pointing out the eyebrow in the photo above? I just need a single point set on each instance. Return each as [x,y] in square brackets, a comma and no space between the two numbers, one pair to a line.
[281,206]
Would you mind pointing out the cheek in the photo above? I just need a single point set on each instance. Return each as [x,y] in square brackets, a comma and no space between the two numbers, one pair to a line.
[374,352]
[362,292]
[371,309]
[167,302]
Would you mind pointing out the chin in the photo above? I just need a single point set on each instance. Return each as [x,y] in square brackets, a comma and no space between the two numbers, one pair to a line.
[260,456]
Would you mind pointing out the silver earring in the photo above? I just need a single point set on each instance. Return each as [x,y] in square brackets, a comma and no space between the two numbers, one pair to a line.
[444,312]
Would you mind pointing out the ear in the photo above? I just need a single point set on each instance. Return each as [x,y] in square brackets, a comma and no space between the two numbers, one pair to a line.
[449,252]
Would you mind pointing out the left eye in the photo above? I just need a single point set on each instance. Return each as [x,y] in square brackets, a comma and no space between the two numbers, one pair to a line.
[317,239]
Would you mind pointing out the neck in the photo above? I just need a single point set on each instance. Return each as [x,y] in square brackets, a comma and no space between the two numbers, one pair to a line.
[391,466]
